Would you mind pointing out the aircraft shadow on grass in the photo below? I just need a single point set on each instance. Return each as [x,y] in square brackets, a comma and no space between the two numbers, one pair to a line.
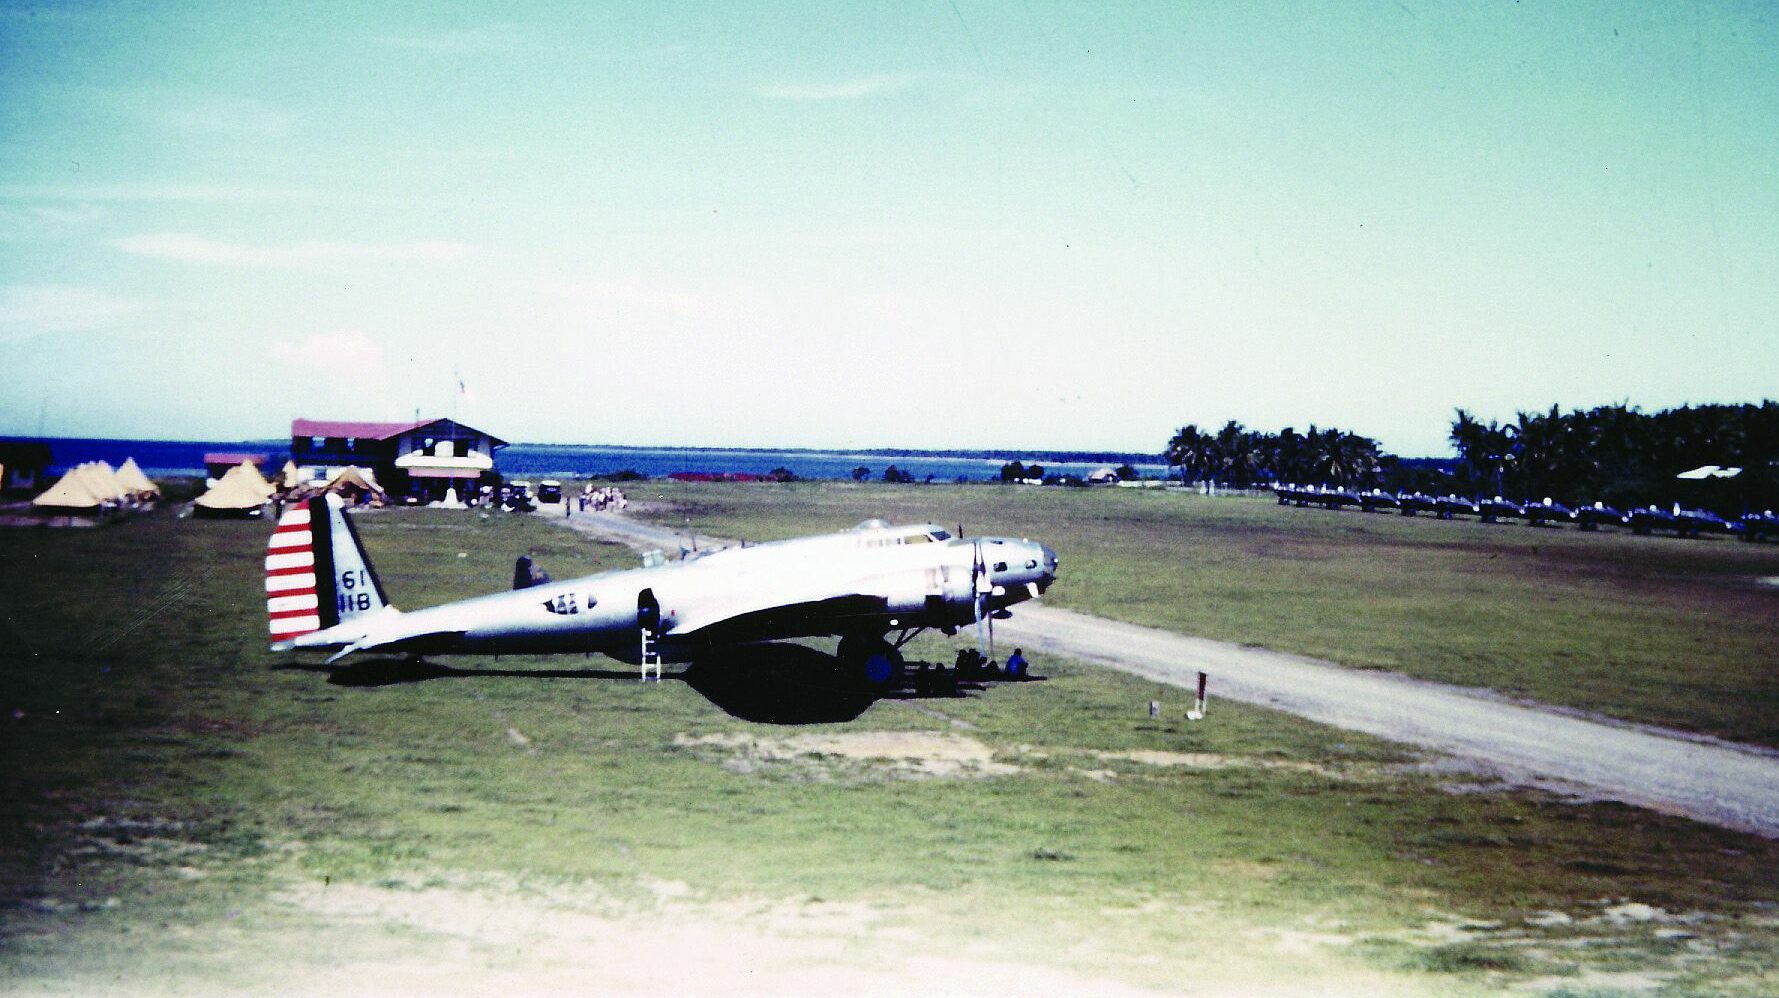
[768,683]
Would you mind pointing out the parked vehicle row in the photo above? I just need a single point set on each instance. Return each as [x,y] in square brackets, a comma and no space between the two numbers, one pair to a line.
[1541,513]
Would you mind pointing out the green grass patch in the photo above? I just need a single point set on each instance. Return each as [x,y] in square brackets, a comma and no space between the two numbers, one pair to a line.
[1652,629]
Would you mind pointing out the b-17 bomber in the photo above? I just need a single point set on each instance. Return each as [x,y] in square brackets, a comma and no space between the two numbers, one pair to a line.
[874,587]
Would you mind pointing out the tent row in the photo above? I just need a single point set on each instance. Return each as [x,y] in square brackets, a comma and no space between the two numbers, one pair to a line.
[243,491]
[94,489]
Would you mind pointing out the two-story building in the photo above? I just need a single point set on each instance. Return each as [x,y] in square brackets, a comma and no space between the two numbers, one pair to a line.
[420,459]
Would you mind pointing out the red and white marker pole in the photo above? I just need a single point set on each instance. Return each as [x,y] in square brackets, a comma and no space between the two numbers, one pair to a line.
[1197,713]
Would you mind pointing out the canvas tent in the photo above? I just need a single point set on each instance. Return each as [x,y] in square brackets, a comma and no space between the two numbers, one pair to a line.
[352,480]
[76,490]
[247,473]
[94,488]
[240,490]
[289,477]
[132,478]
[105,482]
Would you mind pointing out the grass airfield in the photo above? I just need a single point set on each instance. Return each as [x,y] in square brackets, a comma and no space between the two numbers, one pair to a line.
[1656,630]
[182,815]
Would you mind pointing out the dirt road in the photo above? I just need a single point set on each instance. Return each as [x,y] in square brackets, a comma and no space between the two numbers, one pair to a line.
[1722,783]
[1725,784]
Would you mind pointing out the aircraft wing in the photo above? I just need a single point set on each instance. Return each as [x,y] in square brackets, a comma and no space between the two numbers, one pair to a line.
[762,619]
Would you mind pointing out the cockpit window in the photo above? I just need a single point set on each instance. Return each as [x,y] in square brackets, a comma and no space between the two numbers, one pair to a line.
[1000,566]
[1033,563]
[940,535]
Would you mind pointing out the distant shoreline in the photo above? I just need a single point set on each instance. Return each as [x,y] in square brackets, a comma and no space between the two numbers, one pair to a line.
[184,458]
[971,453]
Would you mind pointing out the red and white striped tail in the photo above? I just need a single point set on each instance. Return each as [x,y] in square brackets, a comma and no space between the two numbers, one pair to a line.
[292,600]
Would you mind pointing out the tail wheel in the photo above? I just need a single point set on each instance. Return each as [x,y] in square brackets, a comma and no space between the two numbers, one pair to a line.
[872,662]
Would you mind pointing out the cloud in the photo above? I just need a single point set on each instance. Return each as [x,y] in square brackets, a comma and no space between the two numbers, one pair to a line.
[27,310]
[864,86]
[347,358]
[188,248]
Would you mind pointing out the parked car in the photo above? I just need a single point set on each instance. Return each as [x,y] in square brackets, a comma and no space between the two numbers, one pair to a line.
[549,490]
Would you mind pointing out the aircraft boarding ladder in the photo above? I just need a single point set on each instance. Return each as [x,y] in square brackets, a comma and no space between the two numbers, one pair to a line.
[651,655]
[648,629]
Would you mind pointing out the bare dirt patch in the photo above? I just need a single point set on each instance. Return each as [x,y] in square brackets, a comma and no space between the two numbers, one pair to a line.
[526,939]
[1213,760]
[531,942]
[1590,981]
[911,755]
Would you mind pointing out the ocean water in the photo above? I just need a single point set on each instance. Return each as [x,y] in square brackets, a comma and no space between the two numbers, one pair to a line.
[182,458]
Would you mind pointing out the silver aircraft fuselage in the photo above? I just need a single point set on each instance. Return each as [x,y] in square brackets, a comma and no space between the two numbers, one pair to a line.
[864,582]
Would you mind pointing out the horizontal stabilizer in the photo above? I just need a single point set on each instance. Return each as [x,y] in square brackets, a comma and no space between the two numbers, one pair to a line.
[429,641]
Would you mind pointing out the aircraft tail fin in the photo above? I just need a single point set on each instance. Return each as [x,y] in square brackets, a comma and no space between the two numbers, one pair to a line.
[317,574]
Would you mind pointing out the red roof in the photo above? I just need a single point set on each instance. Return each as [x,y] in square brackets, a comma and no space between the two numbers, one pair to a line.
[232,457]
[365,431]
[379,431]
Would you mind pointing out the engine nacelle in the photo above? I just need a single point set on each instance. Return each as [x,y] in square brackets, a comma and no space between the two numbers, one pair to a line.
[907,600]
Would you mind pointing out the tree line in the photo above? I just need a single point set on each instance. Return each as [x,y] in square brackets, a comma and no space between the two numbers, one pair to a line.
[1613,453]
[1240,457]
[1622,456]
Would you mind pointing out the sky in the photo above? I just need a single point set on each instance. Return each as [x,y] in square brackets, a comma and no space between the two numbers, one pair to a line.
[949,225]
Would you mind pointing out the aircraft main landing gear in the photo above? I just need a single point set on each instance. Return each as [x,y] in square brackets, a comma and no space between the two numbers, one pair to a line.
[871,662]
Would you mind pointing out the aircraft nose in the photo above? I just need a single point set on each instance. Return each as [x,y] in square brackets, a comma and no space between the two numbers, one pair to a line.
[1049,560]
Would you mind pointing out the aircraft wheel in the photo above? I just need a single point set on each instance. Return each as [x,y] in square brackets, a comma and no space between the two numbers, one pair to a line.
[873,663]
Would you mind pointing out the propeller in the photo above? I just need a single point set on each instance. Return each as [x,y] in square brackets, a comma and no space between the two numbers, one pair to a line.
[982,586]
[991,632]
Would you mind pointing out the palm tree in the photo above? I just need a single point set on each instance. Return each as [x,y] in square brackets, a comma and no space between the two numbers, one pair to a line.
[1288,456]
[1187,451]
[1485,449]
[1232,453]
[1540,451]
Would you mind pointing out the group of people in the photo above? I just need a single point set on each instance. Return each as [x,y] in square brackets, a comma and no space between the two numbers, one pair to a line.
[601,499]
[929,679]
[972,664]
[508,497]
